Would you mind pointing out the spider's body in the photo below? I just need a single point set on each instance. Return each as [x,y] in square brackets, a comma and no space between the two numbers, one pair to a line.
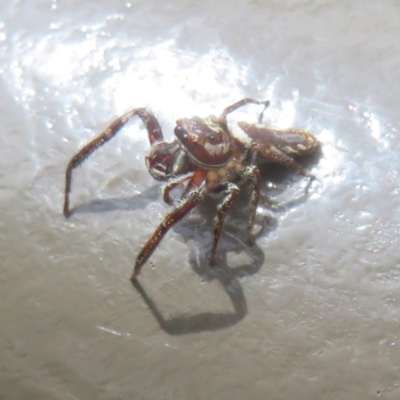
[210,158]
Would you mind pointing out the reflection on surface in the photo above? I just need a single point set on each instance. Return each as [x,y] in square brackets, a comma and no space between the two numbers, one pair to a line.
[159,74]
[318,314]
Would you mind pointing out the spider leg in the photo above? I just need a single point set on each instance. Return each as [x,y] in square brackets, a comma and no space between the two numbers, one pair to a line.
[196,179]
[181,210]
[153,129]
[252,173]
[261,116]
[240,104]
[231,193]
[173,183]
[282,158]
[278,156]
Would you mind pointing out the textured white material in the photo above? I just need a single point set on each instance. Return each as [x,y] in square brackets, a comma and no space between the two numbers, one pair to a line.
[311,311]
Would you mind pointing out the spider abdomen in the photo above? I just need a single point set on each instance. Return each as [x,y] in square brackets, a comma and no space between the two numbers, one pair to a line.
[294,142]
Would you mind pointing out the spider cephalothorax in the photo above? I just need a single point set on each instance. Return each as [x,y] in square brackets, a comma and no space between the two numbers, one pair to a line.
[210,158]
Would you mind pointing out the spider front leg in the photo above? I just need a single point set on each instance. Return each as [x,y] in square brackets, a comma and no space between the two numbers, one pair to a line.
[191,201]
[153,129]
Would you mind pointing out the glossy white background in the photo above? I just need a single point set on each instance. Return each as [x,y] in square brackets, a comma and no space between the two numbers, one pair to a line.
[311,311]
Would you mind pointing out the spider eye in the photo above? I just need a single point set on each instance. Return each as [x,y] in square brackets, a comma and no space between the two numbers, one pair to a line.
[181,131]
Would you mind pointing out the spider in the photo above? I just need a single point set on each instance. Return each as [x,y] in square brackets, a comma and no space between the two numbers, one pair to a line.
[210,158]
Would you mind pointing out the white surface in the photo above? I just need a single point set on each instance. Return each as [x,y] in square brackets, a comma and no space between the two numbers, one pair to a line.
[310,312]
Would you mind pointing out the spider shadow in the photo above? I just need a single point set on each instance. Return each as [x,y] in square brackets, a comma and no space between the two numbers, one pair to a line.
[128,203]
[229,280]
[231,242]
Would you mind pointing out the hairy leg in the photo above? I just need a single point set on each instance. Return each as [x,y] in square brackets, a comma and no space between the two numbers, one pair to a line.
[278,156]
[153,129]
[240,104]
[194,198]
[253,174]
[173,183]
[231,193]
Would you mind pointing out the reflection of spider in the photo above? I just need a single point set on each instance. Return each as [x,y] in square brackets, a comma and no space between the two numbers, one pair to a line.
[210,158]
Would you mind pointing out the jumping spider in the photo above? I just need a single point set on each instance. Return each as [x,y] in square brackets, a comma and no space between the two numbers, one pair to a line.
[210,158]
